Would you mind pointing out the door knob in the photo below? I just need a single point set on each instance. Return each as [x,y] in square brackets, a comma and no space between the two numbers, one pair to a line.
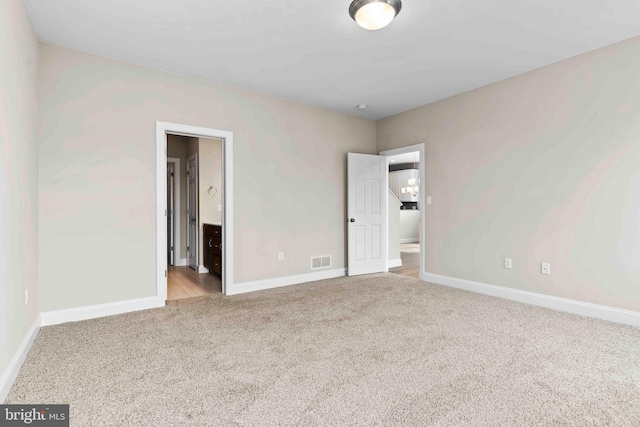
[352,220]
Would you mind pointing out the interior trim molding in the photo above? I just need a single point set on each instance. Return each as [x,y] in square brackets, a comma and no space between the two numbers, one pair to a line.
[581,308]
[278,282]
[202,269]
[410,240]
[392,263]
[100,310]
[182,262]
[11,373]
[162,129]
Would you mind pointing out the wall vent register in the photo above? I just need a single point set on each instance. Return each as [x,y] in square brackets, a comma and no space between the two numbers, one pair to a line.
[320,262]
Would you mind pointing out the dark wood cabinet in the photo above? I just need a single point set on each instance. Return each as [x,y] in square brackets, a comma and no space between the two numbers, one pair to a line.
[212,248]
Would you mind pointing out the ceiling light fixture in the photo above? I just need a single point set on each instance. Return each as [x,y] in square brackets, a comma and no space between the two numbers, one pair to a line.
[362,107]
[374,14]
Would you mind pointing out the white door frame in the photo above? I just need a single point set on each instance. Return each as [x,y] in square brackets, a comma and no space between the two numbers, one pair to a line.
[176,207]
[421,195]
[194,248]
[162,128]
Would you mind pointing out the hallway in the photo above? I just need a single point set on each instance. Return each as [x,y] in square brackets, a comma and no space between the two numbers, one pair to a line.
[410,255]
[183,282]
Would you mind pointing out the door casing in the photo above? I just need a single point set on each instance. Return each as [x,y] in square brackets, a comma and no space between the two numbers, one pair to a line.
[162,129]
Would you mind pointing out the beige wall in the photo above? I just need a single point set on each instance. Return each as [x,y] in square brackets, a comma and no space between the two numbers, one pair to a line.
[18,179]
[539,167]
[177,148]
[209,175]
[192,147]
[97,175]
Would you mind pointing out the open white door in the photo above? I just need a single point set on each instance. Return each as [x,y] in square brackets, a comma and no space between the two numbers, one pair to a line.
[366,210]
[192,212]
[170,214]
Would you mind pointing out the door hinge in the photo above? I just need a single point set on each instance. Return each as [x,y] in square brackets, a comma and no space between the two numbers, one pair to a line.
[171,173]
[165,273]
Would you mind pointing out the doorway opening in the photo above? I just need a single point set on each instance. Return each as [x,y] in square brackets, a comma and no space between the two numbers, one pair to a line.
[406,210]
[192,161]
[194,193]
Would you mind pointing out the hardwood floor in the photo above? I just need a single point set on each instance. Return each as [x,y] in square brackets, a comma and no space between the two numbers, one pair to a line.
[410,255]
[183,282]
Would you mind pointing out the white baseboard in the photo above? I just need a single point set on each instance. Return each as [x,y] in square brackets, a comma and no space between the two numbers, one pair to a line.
[101,310]
[410,240]
[259,285]
[392,263]
[11,373]
[611,314]
[202,269]
[181,262]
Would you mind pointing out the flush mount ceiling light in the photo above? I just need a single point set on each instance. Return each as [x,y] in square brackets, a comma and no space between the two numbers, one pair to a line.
[374,14]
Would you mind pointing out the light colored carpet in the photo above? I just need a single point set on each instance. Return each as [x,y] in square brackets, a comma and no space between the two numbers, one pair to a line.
[379,350]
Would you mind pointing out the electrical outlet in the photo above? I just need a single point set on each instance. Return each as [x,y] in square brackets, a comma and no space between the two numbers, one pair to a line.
[280,256]
[545,268]
[507,263]
[26,296]
[428,200]
[219,208]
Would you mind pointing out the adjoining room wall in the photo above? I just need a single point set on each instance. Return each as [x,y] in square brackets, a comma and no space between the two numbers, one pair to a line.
[97,175]
[209,185]
[542,167]
[394,226]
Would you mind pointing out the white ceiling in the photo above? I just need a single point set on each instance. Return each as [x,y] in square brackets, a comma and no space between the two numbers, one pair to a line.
[312,52]
[405,158]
